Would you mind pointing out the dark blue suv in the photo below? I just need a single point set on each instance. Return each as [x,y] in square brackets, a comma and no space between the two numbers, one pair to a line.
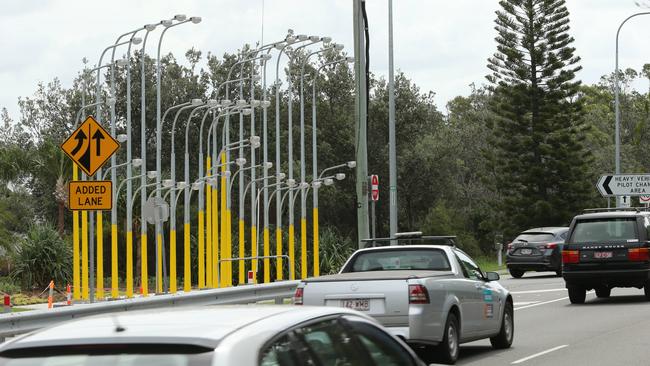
[538,249]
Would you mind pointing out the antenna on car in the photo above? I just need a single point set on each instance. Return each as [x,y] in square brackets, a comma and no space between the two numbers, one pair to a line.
[118,327]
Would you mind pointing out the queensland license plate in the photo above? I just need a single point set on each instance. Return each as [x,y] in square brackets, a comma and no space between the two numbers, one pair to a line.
[603,255]
[526,251]
[356,304]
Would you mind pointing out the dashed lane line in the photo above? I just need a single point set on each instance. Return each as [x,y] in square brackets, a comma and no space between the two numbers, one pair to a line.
[540,354]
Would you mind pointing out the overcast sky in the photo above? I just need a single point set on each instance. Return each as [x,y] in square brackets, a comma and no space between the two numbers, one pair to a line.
[441,44]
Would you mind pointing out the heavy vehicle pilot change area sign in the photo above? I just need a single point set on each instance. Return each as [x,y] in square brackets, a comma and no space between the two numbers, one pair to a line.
[90,195]
[624,185]
[90,146]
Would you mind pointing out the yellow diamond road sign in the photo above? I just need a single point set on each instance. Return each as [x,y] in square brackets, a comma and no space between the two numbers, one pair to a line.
[90,146]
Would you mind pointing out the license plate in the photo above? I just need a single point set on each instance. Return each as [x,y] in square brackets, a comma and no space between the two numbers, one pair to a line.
[356,304]
[603,255]
[526,251]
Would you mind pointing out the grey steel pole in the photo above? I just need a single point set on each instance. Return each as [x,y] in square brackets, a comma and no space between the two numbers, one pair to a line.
[617,137]
[361,115]
[392,143]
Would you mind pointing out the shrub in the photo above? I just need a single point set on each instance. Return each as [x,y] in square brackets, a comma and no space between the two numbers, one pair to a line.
[42,256]
[334,250]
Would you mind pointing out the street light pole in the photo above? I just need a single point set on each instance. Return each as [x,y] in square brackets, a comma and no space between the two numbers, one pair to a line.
[392,154]
[617,113]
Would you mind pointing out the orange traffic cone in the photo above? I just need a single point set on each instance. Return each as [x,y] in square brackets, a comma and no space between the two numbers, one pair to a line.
[50,296]
[68,295]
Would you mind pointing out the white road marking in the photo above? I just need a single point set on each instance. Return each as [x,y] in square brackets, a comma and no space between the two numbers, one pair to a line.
[523,303]
[540,354]
[537,291]
[547,302]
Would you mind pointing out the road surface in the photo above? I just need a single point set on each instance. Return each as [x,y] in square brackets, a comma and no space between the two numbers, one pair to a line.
[551,331]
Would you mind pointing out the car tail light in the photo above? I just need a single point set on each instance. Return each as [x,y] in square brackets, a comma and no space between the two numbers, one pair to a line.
[638,254]
[549,246]
[418,294]
[297,296]
[570,256]
[509,246]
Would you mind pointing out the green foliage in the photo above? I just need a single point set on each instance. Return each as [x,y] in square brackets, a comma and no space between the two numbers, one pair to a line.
[334,250]
[442,220]
[8,286]
[42,256]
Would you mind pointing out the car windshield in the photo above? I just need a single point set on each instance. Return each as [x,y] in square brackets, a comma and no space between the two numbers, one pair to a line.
[385,260]
[598,230]
[534,237]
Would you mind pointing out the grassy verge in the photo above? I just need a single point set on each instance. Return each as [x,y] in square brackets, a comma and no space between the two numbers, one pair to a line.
[489,264]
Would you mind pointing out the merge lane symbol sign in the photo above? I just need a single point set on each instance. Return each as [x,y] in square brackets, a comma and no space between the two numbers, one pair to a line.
[90,195]
[90,146]
[624,185]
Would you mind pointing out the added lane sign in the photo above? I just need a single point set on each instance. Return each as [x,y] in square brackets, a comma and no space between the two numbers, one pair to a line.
[90,146]
[624,185]
[90,195]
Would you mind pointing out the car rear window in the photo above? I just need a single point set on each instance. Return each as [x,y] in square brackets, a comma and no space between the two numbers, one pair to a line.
[535,237]
[386,260]
[607,229]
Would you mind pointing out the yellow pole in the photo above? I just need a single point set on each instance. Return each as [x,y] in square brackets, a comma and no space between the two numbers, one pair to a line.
[201,279]
[242,253]
[215,237]
[292,242]
[240,267]
[278,252]
[224,220]
[172,260]
[187,273]
[160,263]
[316,244]
[144,275]
[229,253]
[267,252]
[208,244]
[76,280]
[100,256]
[254,252]
[84,255]
[129,264]
[303,248]
[114,255]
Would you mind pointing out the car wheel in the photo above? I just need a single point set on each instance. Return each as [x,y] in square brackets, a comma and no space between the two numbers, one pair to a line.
[516,273]
[577,294]
[646,291]
[448,348]
[507,332]
[603,292]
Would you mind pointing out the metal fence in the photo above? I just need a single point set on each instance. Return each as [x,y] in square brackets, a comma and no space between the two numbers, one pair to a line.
[13,324]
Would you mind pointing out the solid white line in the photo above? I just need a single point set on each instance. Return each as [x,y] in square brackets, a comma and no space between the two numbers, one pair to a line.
[547,302]
[540,353]
[537,291]
[523,303]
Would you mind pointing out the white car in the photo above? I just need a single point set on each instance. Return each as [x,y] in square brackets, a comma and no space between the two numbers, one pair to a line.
[213,335]
[427,294]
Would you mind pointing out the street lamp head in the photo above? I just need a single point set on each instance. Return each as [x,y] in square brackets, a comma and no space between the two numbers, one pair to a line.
[122,138]
[340,176]
[241,103]
[225,102]
[266,57]
[247,111]
[136,162]
[326,40]
[350,59]
[213,103]
[290,182]
[254,140]
[338,47]
[316,184]
[180,17]
[268,165]
[196,20]
[304,185]
[266,103]
[150,27]
[328,181]
[152,174]
[303,37]
[227,174]
[351,164]
[196,102]
[168,183]
[255,103]
[111,101]
[290,40]
[278,45]
[181,185]
[212,181]
[167,22]
[197,185]
[240,162]
[121,62]
[136,40]
[314,38]
[281,177]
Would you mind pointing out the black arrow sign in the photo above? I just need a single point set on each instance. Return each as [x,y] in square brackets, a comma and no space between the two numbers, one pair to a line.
[98,136]
[80,137]
[606,184]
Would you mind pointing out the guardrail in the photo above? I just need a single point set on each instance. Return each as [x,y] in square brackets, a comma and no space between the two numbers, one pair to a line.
[18,323]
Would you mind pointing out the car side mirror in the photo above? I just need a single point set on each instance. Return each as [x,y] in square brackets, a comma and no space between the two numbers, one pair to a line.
[492,276]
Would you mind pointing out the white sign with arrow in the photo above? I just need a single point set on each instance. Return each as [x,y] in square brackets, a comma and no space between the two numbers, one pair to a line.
[624,185]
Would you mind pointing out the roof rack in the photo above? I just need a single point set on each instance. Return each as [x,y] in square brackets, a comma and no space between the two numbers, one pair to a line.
[413,238]
[614,209]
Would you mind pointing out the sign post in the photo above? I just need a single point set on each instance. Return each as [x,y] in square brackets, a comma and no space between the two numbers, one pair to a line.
[374,197]
[90,146]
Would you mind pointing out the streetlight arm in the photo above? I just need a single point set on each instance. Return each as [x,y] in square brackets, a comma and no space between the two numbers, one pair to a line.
[329,169]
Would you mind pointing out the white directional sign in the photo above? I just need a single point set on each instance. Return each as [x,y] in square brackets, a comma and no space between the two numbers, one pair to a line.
[624,185]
